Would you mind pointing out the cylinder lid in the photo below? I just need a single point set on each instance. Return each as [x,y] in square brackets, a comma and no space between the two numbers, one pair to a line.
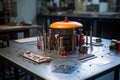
[66,24]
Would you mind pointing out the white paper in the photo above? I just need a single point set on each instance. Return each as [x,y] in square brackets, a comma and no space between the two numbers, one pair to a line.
[26,40]
[100,61]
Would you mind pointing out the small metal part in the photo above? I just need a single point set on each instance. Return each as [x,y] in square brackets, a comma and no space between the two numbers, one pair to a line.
[114,41]
[66,66]
[113,44]
[83,49]
[90,65]
[112,47]
[98,40]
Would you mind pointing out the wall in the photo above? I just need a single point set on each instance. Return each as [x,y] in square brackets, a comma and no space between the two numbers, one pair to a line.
[26,10]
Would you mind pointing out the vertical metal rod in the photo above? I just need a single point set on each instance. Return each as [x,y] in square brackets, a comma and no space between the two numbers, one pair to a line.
[73,40]
[45,43]
[91,37]
[61,44]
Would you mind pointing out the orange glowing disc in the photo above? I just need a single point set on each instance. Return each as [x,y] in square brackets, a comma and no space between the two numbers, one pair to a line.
[66,24]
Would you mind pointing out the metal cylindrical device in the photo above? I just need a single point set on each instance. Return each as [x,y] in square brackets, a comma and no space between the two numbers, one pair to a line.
[67,32]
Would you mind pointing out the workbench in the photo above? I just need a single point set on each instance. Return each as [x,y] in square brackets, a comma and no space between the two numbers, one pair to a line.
[105,62]
[11,31]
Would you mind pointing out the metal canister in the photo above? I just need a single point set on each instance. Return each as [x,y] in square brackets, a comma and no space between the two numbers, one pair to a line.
[66,30]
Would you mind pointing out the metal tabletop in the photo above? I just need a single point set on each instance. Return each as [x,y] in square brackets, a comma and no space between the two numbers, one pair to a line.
[105,62]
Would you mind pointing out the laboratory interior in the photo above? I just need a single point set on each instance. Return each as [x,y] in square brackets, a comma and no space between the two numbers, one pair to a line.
[59,40]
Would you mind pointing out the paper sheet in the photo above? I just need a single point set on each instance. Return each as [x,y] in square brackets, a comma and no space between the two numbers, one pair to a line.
[24,40]
[100,61]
